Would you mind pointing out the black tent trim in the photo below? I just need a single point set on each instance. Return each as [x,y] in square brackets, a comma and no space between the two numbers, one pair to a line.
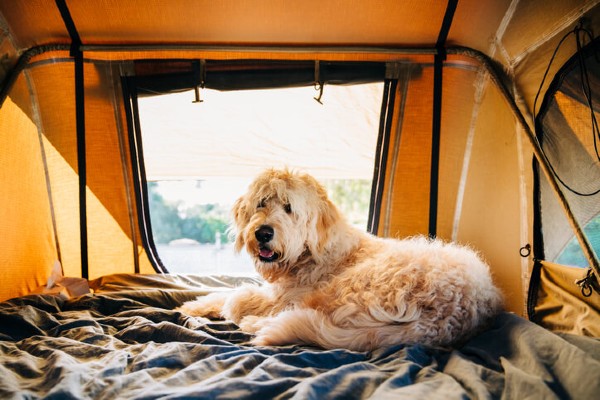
[381,154]
[225,75]
[139,174]
[538,245]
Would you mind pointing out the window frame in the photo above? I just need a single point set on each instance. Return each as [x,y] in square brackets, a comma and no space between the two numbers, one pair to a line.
[155,77]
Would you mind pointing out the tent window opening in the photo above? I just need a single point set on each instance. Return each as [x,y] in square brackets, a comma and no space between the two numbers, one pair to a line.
[570,137]
[200,156]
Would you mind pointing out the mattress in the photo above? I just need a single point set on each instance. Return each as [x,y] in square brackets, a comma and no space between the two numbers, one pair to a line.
[124,340]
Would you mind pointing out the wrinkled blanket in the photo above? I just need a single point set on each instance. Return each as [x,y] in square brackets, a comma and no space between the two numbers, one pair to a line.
[125,341]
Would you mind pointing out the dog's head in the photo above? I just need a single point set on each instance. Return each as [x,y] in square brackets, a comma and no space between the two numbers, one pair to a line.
[284,222]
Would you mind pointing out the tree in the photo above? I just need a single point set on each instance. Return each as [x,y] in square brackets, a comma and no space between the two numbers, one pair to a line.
[572,254]
[352,196]
[171,221]
[164,217]
[202,222]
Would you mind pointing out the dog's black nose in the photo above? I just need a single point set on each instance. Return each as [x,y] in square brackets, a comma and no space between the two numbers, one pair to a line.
[264,234]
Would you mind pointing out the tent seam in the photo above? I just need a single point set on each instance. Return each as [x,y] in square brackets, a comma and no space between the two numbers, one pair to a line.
[40,130]
[523,215]
[9,35]
[565,23]
[480,88]
[499,36]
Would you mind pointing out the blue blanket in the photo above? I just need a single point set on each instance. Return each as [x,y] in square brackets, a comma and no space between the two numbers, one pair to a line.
[127,342]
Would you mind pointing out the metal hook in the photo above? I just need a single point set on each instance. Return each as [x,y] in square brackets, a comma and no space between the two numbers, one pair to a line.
[318,83]
[525,251]
[588,283]
[319,87]
[197,95]
[202,78]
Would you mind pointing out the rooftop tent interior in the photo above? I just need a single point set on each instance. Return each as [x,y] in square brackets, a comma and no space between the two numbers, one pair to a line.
[459,150]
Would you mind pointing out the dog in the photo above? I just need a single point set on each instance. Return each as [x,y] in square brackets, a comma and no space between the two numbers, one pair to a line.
[333,285]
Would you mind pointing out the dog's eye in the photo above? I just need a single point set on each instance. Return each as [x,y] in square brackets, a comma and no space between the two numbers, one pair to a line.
[287,208]
[261,204]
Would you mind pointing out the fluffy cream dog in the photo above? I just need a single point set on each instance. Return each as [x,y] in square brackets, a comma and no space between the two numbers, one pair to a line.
[335,286]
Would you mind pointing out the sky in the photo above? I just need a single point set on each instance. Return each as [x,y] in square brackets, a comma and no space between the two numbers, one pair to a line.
[213,191]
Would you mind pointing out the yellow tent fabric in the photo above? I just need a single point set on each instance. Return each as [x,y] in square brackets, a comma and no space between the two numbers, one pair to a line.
[486,180]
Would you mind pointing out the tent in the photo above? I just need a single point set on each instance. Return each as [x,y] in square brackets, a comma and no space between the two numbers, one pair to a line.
[487,132]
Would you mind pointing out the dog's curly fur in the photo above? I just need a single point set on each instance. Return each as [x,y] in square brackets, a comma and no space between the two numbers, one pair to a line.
[335,286]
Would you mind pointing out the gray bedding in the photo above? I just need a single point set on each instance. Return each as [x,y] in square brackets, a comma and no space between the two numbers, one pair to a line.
[124,341]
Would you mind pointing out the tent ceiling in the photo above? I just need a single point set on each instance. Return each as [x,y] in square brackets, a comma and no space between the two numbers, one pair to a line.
[503,29]
[230,22]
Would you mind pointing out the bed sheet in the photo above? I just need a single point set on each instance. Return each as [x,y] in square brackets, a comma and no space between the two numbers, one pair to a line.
[125,341]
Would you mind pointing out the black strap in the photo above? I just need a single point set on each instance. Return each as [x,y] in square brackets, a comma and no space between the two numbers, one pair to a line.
[77,54]
[440,45]
[538,244]
[70,25]
[381,153]
[435,145]
[438,64]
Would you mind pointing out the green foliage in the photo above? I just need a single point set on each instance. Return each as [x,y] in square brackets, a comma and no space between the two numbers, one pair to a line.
[165,218]
[573,254]
[352,196]
[202,223]
[170,221]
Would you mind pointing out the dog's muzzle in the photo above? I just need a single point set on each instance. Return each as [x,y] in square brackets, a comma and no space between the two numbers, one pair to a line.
[264,234]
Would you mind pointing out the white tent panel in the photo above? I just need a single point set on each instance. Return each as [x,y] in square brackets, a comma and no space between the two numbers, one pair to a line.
[237,134]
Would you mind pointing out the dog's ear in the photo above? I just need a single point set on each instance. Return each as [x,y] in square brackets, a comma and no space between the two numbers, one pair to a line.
[240,219]
[327,217]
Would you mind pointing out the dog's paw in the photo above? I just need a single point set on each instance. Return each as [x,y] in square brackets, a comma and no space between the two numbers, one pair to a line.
[270,333]
[251,323]
[192,309]
[300,326]
[209,306]
[264,340]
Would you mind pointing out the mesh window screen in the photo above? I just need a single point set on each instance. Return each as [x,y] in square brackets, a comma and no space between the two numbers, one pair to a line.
[568,130]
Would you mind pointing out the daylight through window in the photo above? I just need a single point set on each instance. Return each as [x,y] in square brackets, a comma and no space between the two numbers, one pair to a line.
[200,157]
